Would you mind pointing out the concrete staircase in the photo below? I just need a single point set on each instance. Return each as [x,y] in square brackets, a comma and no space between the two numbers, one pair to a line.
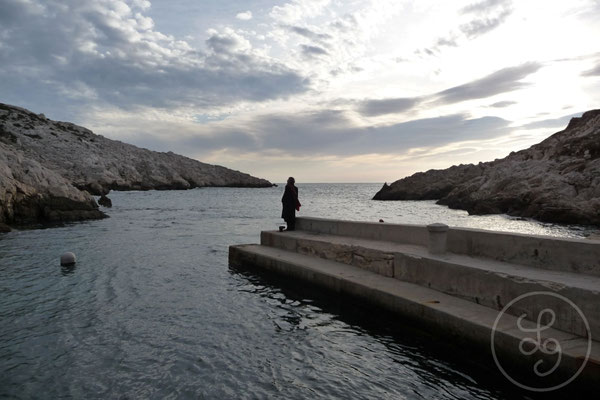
[459,291]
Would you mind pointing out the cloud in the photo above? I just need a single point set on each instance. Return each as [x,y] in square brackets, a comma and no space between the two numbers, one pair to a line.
[331,132]
[502,104]
[438,131]
[377,107]
[109,52]
[480,26]
[595,71]
[350,68]
[483,6]
[482,17]
[227,42]
[488,15]
[309,34]
[244,16]
[551,122]
[298,9]
[347,23]
[141,4]
[504,80]
[450,42]
[313,51]
[338,138]
[318,47]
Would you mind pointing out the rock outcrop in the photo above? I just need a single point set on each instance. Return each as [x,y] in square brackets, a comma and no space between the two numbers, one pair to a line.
[105,201]
[50,169]
[30,193]
[556,180]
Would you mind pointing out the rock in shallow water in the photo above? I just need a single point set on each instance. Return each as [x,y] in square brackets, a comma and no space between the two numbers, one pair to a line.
[105,201]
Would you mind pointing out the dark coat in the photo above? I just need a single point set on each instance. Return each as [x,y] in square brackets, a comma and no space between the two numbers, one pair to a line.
[290,201]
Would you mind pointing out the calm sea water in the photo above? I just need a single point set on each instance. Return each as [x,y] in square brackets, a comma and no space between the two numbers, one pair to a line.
[152,309]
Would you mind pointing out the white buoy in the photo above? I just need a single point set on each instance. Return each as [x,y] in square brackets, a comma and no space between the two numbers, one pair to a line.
[67,258]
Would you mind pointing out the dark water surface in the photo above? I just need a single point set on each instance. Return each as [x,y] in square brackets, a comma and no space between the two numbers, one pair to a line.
[152,310]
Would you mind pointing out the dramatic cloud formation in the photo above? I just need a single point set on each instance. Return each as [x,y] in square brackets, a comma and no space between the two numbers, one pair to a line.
[109,51]
[271,83]
[504,80]
[332,132]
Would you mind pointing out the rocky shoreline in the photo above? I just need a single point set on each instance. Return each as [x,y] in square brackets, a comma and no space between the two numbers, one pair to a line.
[556,180]
[49,170]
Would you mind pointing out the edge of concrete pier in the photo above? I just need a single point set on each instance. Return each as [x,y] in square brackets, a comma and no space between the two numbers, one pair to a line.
[493,290]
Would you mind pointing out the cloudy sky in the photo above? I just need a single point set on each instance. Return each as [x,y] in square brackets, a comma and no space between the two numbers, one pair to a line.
[325,90]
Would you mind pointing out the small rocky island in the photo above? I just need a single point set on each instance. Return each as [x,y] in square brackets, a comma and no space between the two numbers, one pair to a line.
[49,170]
[556,180]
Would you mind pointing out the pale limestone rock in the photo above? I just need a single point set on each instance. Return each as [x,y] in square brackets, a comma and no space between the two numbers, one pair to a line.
[43,163]
[29,193]
[557,180]
[97,164]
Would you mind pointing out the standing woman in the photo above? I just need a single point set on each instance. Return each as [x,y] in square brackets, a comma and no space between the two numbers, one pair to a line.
[290,204]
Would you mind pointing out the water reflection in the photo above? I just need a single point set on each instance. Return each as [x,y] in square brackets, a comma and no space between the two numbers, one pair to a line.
[67,270]
[428,365]
[163,317]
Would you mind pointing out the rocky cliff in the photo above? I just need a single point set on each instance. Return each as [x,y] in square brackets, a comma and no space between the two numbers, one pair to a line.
[30,192]
[48,169]
[556,180]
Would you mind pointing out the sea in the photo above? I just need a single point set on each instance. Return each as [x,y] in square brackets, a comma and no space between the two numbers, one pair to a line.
[152,310]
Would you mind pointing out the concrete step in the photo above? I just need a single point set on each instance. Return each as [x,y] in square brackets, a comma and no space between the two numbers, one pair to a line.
[543,252]
[483,281]
[456,319]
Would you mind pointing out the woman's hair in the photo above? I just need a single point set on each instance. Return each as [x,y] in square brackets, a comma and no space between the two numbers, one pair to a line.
[291,180]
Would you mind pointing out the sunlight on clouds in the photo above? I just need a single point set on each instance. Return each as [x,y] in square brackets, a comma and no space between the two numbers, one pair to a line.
[552,88]
[360,168]
[144,23]
[333,89]
[298,9]
[141,4]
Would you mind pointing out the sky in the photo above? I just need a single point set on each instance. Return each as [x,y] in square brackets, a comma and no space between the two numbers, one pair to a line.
[322,90]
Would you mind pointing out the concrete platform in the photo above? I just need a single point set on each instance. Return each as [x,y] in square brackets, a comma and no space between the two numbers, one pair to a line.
[543,252]
[522,301]
[453,318]
[481,280]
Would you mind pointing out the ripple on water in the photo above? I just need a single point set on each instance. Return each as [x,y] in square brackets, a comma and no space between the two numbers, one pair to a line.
[151,309]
